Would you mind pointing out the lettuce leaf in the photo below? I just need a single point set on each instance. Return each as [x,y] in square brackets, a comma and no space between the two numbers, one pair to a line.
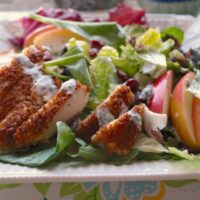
[149,145]
[65,138]
[155,64]
[149,40]
[129,61]
[182,154]
[103,75]
[109,32]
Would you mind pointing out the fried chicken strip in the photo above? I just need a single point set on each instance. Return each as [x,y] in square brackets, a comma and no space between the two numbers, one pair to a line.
[115,105]
[12,121]
[23,89]
[119,136]
[65,104]
[13,72]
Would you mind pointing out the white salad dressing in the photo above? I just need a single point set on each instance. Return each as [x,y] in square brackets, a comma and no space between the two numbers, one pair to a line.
[69,86]
[104,116]
[43,84]
[135,118]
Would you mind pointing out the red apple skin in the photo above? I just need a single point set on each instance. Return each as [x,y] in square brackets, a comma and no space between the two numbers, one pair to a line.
[182,107]
[196,118]
[30,38]
[162,87]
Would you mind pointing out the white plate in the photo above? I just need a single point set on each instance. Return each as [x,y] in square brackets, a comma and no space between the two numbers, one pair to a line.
[62,172]
[156,170]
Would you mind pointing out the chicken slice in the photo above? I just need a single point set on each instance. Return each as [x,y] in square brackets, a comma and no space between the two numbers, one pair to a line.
[69,101]
[13,72]
[115,105]
[12,121]
[27,87]
[119,136]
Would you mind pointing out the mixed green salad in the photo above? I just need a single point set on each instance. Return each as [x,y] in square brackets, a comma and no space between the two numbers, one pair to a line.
[148,60]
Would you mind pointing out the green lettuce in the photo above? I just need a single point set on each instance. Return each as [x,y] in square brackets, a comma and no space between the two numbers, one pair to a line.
[149,145]
[155,64]
[129,61]
[65,138]
[103,75]
[149,40]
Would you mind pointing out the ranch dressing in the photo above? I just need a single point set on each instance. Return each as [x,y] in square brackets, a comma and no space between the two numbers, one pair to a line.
[43,84]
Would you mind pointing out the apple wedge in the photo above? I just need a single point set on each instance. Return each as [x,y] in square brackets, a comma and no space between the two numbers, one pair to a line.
[162,87]
[196,118]
[181,111]
[55,38]
[30,38]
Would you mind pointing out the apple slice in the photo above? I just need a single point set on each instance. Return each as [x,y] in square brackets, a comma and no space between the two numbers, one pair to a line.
[196,118]
[55,38]
[162,87]
[181,111]
[30,38]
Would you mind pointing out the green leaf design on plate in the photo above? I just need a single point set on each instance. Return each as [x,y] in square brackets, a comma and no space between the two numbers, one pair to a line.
[93,194]
[69,189]
[181,183]
[7,186]
[42,188]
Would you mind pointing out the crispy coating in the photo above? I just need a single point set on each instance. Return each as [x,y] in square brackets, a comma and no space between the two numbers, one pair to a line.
[19,93]
[116,104]
[38,127]
[13,72]
[12,121]
[22,89]
[120,135]
[29,132]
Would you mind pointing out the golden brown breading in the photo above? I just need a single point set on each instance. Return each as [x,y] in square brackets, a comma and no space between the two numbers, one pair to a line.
[13,120]
[119,136]
[116,104]
[42,124]
[19,93]
[13,72]
[22,90]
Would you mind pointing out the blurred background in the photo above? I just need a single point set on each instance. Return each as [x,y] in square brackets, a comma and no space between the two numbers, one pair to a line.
[154,6]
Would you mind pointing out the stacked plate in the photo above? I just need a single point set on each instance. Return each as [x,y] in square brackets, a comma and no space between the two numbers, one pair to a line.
[171,6]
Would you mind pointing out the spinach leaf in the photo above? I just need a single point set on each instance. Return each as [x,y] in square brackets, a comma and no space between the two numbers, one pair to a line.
[109,32]
[173,31]
[65,138]
[76,63]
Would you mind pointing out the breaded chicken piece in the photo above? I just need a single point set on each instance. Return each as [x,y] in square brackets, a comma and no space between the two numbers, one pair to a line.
[69,101]
[13,72]
[23,89]
[119,136]
[115,105]
[12,121]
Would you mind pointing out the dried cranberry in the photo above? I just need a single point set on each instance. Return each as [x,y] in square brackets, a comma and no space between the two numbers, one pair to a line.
[133,84]
[97,44]
[121,75]
[93,52]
